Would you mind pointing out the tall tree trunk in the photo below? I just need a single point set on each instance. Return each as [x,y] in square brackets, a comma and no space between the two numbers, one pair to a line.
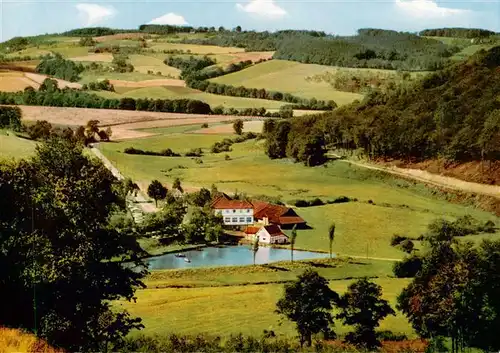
[330,249]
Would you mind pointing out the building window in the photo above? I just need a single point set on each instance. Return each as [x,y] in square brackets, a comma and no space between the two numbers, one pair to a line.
[235,219]
[227,219]
[234,211]
[249,219]
[242,219]
[263,238]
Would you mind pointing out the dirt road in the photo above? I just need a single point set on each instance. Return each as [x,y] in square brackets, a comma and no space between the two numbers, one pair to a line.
[142,201]
[437,180]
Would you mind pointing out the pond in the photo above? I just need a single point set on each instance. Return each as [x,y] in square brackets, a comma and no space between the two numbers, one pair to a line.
[228,256]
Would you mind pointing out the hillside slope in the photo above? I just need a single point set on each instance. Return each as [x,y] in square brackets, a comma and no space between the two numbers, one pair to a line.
[12,340]
[453,114]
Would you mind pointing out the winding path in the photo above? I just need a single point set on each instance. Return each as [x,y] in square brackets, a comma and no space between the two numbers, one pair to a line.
[142,201]
[434,179]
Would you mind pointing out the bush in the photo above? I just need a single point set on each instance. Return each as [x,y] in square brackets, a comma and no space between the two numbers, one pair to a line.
[489,227]
[407,246]
[195,152]
[391,336]
[205,125]
[397,239]
[301,203]
[227,157]
[340,199]
[164,153]
[316,202]
[408,267]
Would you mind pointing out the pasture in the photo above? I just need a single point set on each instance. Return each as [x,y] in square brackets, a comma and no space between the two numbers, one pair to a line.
[178,92]
[364,227]
[13,147]
[225,310]
[290,77]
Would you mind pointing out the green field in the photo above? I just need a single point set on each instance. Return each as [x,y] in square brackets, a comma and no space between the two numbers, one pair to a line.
[143,64]
[290,77]
[225,310]
[175,92]
[363,229]
[92,76]
[12,147]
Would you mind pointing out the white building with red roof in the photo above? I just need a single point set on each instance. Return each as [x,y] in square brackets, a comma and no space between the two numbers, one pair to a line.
[233,212]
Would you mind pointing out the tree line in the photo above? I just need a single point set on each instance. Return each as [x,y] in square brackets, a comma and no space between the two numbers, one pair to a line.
[195,77]
[50,95]
[457,32]
[451,114]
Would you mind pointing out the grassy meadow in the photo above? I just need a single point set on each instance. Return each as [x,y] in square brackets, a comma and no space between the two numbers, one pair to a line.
[290,77]
[13,147]
[176,92]
[363,228]
[225,310]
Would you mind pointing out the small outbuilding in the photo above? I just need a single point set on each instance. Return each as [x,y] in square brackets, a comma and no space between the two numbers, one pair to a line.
[269,234]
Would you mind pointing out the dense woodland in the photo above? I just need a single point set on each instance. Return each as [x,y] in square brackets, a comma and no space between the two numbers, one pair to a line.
[55,65]
[457,32]
[372,48]
[453,113]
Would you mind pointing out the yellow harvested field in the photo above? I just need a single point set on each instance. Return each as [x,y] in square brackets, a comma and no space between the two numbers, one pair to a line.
[119,36]
[103,58]
[196,49]
[12,81]
[148,83]
[249,126]
[253,55]
[39,78]
[124,123]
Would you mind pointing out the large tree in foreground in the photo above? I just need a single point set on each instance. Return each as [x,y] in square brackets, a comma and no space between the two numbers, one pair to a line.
[61,262]
[362,306]
[456,293]
[308,303]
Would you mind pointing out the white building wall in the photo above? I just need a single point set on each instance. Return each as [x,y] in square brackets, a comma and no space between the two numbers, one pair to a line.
[264,236]
[236,217]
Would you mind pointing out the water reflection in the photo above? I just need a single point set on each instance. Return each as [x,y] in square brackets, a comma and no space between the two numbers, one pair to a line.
[227,256]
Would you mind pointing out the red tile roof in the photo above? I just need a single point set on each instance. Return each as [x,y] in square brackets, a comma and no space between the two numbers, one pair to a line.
[276,214]
[252,230]
[223,203]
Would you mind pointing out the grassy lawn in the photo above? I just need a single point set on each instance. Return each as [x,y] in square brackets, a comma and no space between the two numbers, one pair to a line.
[288,76]
[234,309]
[175,92]
[363,229]
[12,147]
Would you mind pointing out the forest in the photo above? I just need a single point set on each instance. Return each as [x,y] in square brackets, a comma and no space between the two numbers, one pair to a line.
[453,114]
[372,48]
[457,32]
[55,65]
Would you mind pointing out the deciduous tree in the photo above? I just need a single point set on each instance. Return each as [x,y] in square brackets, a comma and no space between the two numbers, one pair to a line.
[362,306]
[157,191]
[308,303]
